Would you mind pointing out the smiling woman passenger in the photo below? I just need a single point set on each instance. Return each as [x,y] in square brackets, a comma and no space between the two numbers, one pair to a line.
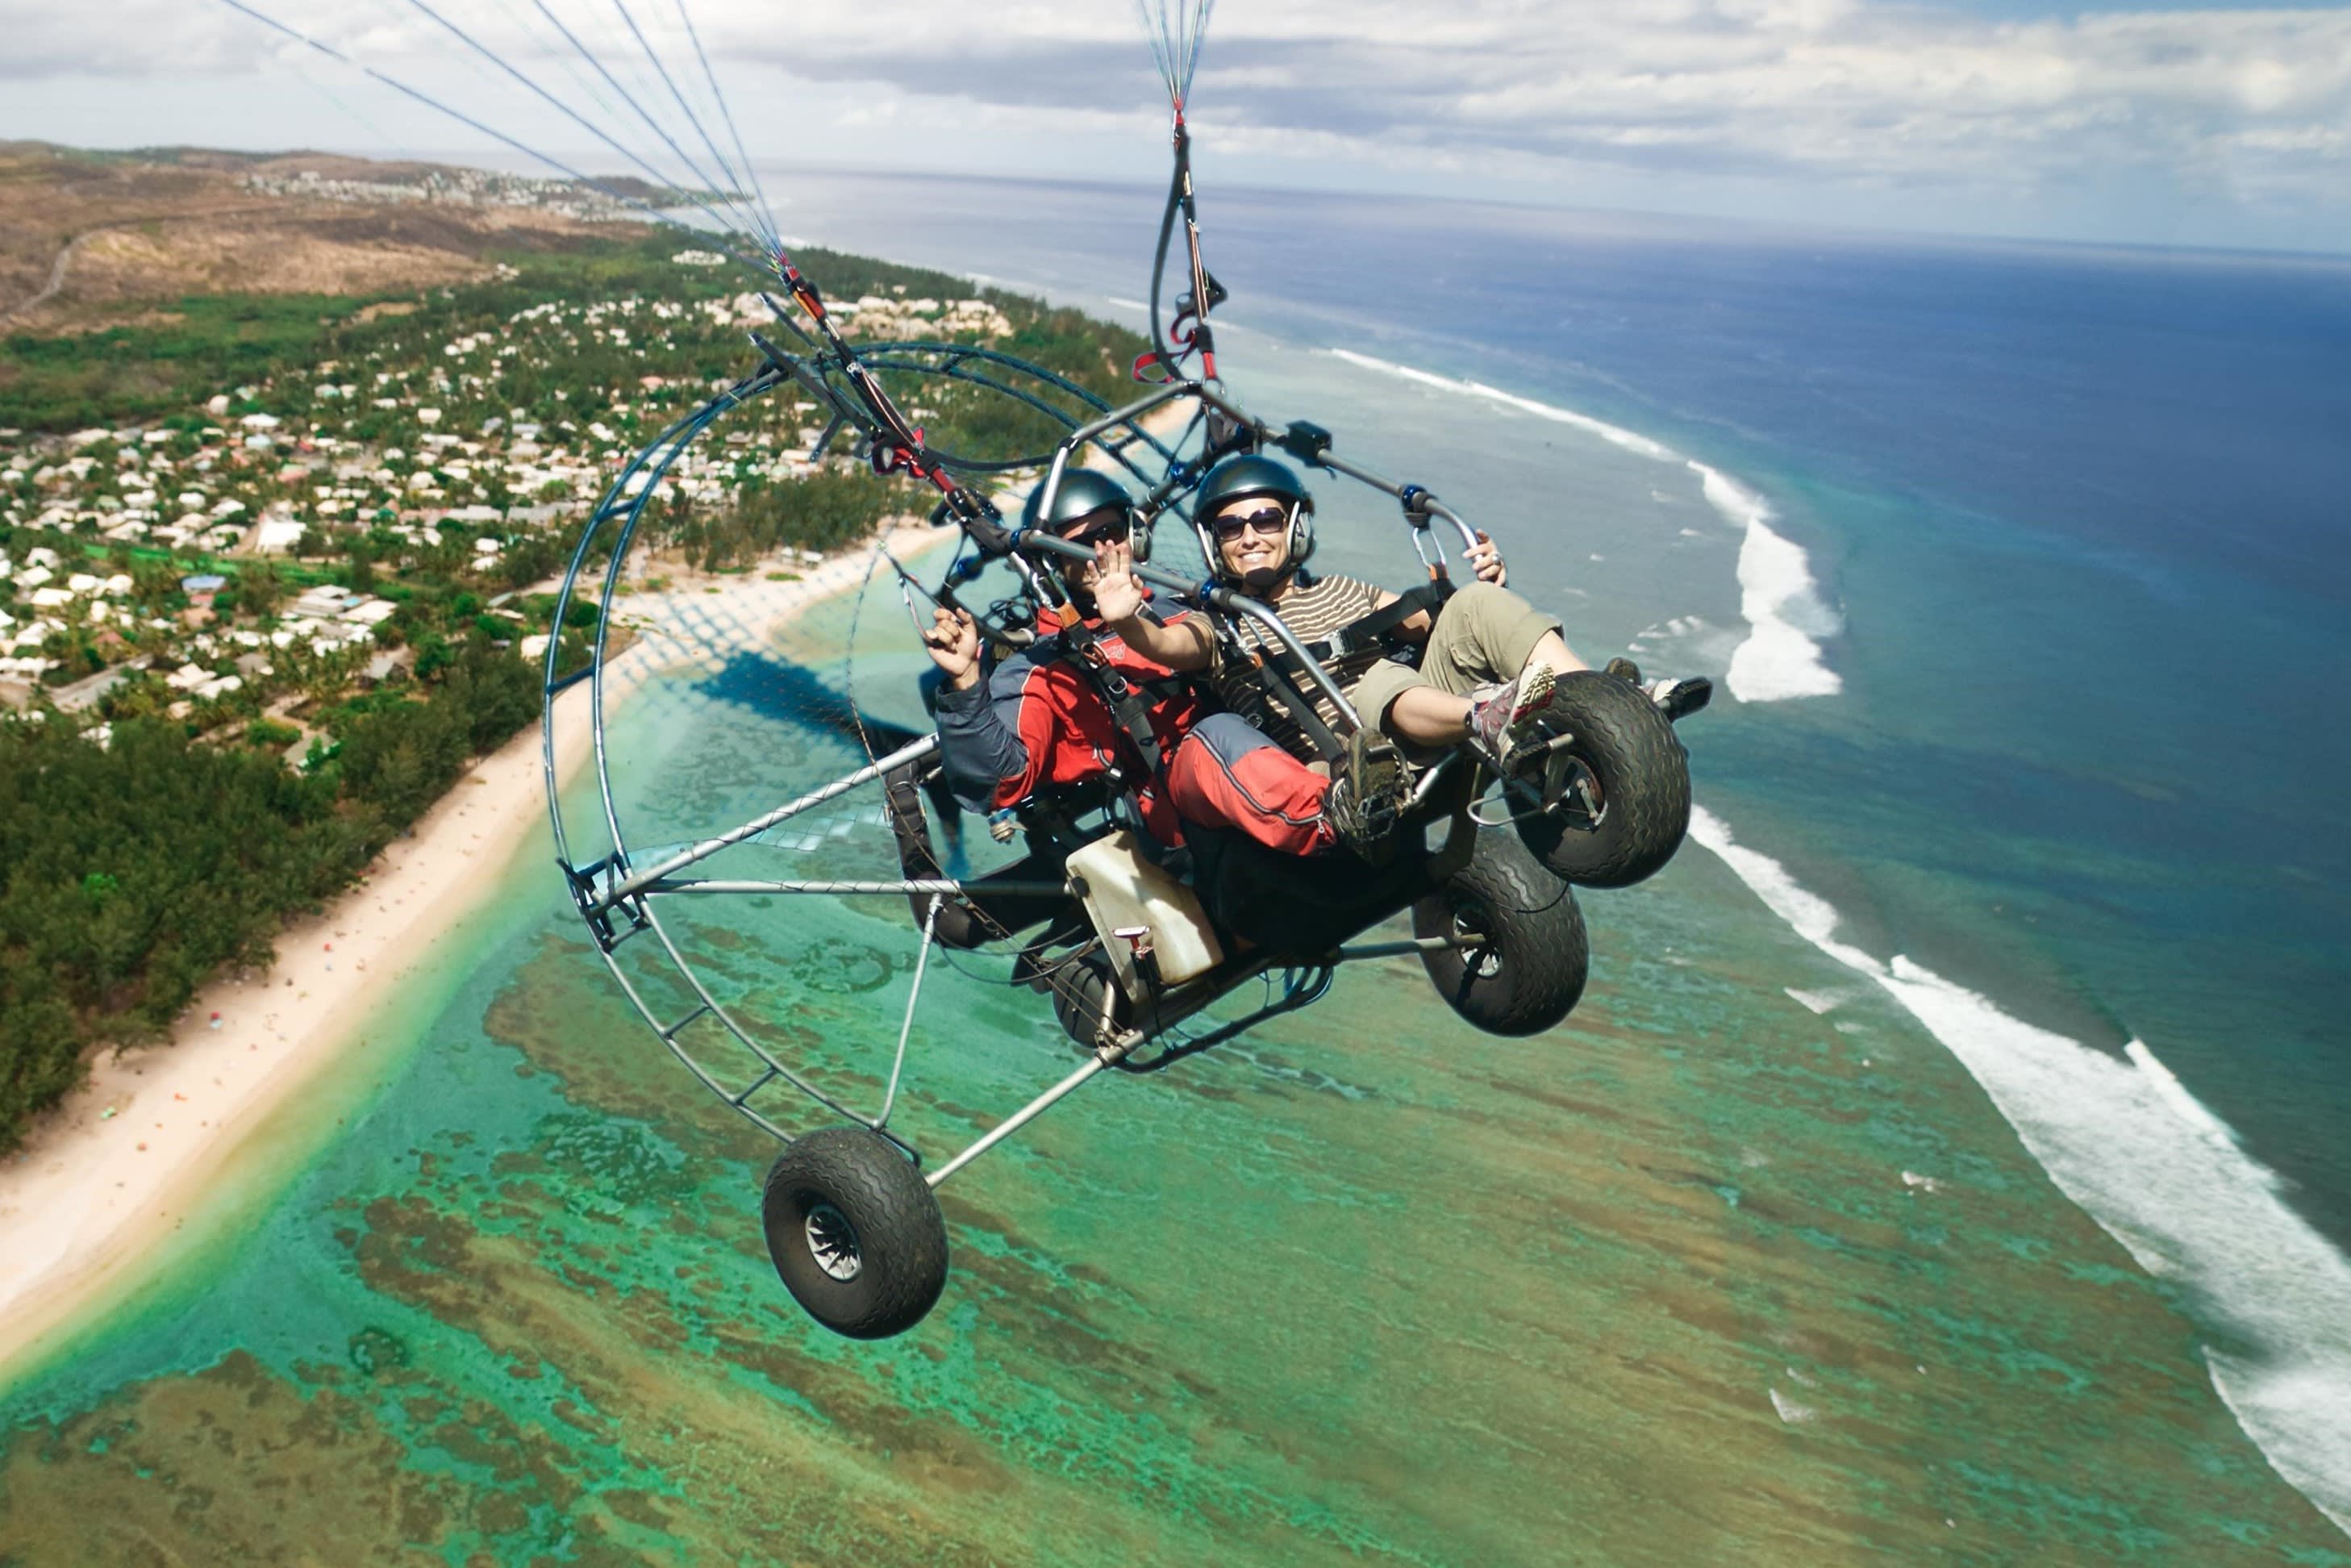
[1477,665]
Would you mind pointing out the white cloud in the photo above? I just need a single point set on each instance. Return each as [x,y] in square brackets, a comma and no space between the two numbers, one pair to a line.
[2247,109]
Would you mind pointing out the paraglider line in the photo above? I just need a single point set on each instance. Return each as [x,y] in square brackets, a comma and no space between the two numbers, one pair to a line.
[587,54]
[655,214]
[687,110]
[729,114]
[562,107]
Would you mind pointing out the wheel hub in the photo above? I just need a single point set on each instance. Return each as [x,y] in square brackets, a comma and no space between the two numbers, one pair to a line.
[1476,947]
[832,1243]
[1559,786]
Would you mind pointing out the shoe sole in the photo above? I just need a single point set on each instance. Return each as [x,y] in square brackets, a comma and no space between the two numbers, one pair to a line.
[1380,777]
[1375,769]
[1531,703]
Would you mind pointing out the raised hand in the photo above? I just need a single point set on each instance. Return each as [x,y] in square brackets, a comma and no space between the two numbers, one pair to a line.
[952,644]
[1487,561]
[1118,594]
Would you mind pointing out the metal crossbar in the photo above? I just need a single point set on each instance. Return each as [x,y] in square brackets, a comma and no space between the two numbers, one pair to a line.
[1402,948]
[914,752]
[674,1030]
[914,885]
[764,1078]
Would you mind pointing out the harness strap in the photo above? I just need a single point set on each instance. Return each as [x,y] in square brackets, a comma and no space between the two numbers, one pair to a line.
[1125,702]
[1273,666]
[1378,627]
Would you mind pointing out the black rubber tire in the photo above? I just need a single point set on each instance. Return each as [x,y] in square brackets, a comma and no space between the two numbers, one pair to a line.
[1528,974]
[894,1224]
[1643,778]
[1078,989]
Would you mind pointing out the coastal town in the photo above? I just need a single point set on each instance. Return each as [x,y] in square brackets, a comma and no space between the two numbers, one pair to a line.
[318,533]
[438,186]
[280,568]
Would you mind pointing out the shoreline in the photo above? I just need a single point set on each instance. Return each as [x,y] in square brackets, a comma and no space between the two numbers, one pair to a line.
[126,1160]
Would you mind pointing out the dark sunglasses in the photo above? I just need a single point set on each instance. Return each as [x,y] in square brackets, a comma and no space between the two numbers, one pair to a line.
[1107,528]
[1264,521]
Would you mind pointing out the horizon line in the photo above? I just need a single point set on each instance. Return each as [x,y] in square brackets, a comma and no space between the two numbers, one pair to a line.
[1789,227]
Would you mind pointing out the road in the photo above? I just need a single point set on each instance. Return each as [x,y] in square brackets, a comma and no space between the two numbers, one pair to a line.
[64,263]
[56,275]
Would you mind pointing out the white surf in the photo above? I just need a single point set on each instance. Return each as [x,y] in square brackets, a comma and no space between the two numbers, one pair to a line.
[2125,1139]
[1781,657]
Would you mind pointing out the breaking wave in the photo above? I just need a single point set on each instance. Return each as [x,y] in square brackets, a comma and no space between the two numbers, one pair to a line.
[1781,657]
[2157,1171]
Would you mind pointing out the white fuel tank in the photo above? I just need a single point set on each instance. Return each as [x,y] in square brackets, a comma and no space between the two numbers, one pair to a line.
[1124,890]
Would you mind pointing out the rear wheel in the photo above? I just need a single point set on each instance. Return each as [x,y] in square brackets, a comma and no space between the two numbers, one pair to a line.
[1629,817]
[1086,1001]
[855,1232]
[1525,954]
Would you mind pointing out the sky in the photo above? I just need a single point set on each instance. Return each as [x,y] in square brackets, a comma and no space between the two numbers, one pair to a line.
[2222,126]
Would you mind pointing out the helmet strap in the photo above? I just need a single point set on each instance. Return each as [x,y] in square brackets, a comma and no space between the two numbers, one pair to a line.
[1080,597]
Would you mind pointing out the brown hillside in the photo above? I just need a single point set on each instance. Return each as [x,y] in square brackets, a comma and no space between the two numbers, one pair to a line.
[91,238]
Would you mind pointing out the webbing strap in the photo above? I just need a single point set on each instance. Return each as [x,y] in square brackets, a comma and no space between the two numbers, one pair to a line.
[1270,662]
[1376,627]
[1125,703]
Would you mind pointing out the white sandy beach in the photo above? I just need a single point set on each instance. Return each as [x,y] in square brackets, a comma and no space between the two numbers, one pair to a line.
[111,1172]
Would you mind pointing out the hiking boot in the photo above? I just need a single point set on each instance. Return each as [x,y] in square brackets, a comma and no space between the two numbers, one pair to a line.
[1504,720]
[1675,696]
[1368,795]
[1678,697]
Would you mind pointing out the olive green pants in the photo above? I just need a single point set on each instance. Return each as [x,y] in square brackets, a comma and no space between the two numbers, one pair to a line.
[1483,633]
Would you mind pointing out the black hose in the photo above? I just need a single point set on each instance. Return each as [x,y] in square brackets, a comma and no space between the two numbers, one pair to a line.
[1159,255]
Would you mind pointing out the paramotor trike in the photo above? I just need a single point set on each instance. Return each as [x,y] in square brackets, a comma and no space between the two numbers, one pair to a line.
[1130,950]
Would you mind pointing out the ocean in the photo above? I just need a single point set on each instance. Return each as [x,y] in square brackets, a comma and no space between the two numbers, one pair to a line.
[1947,1161]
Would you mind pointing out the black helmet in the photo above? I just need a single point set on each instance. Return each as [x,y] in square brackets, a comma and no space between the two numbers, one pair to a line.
[1238,478]
[1085,490]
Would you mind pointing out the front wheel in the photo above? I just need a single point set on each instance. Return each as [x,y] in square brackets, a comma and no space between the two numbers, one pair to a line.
[855,1232]
[1523,955]
[1638,772]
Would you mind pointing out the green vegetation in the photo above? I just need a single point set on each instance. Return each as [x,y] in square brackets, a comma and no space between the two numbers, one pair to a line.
[822,511]
[130,875]
[435,455]
[151,370]
[164,368]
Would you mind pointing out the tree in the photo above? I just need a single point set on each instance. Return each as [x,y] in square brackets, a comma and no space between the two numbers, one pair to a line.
[261,588]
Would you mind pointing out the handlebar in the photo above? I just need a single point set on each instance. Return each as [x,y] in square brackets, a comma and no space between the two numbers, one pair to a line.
[1419,505]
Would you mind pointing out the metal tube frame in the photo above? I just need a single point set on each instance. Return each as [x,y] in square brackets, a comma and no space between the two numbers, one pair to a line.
[939,885]
[640,881]
[1419,502]
[613,886]
[610,886]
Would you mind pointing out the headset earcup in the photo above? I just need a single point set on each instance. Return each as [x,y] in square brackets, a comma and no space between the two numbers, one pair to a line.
[1138,539]
[1302,535]
[1208,551]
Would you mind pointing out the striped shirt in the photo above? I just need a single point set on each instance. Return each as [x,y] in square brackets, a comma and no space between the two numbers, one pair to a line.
[1314,609]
